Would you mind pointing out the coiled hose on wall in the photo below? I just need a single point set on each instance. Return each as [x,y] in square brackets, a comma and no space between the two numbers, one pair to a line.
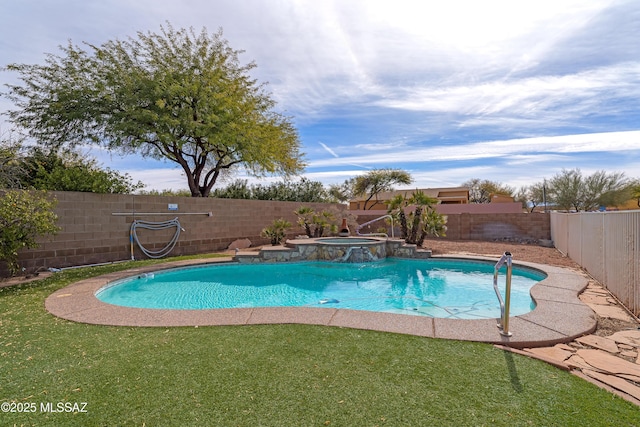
[148,225]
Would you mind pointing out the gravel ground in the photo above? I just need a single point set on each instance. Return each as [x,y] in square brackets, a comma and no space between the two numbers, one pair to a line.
[519,251]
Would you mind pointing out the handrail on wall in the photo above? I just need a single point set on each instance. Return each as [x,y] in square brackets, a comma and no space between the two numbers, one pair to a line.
[503,323]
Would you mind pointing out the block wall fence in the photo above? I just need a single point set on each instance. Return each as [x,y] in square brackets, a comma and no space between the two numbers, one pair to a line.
[95,227]
[476,226]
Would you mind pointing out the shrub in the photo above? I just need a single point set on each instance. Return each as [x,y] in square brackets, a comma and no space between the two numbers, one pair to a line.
[318,224]
[23,217]
[277,231]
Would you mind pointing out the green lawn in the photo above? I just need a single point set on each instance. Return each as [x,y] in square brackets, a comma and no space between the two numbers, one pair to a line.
[272,375]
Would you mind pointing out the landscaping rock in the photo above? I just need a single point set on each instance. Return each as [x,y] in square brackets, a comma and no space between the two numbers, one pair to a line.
[601,343]
[240,244]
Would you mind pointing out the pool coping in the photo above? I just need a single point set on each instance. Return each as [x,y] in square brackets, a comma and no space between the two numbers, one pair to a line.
[559,315]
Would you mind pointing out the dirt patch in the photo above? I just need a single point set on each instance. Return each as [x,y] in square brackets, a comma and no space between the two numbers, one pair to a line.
[608,326]
[10,281]
[519,251]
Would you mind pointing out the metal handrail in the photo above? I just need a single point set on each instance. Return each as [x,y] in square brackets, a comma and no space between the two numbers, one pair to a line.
[371,222]
[503,323]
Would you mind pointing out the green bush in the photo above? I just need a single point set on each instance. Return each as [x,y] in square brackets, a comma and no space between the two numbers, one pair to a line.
[277,231]
[24,215]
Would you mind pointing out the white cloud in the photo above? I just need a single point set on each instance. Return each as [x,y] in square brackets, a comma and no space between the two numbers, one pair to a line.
[599,142]
[569,95]
[402,76]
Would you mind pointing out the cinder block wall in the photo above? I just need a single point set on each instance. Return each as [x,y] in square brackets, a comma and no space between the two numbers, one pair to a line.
[470,226]
[95,227]
[530,226]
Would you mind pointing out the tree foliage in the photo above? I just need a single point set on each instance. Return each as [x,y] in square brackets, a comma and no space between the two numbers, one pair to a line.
[570,190]
[71,171]
[532,195]
[377,181]
[303,190]
[57,170]
[635,192]
[11,170]
[342,193]
[480,191]
[24,216]
[178,96]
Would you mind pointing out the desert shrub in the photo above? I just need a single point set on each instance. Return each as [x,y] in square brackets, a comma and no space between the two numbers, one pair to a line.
[24,216]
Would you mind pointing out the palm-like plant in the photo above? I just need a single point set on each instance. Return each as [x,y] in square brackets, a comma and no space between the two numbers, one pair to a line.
[315,223]
[420,222]
[277,231]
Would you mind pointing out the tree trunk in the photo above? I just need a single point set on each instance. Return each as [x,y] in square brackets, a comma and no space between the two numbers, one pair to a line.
[415,226]
[403,224]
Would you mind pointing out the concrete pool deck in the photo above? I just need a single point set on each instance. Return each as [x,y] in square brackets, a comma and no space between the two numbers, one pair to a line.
[559,315]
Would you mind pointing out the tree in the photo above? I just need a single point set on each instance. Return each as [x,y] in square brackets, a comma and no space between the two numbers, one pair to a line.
[24,216]
[531,196]
[65,170]
[635,193]
[344,192]
[303,190]
[72,171]
[11,171]
[480,191]
[376,181]
[178,96]
[570,190]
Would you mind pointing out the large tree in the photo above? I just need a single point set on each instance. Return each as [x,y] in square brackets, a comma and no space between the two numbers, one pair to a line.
[177,95]
[570,190]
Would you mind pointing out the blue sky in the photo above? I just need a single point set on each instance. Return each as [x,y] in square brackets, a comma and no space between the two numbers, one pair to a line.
[511,91]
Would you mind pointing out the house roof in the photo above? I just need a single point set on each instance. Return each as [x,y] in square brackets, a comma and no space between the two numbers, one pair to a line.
[442,193]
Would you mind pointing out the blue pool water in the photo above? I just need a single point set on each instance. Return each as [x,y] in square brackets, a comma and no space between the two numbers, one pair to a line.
[435,288]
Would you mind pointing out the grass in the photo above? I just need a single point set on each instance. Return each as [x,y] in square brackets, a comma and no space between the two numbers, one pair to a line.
[273,375]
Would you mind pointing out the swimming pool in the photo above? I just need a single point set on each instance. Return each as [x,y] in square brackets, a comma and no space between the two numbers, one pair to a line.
[433,288]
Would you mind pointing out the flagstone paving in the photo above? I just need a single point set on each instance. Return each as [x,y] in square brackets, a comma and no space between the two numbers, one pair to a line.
[608,358]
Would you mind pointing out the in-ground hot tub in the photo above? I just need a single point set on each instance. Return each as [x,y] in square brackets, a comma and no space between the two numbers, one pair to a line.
[348,241]
[338,249]
[341,249]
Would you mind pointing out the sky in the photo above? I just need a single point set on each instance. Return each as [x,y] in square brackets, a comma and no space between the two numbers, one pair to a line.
[509,91]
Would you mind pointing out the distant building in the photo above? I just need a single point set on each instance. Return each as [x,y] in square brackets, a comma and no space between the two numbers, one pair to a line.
[501,198]
[445,196]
